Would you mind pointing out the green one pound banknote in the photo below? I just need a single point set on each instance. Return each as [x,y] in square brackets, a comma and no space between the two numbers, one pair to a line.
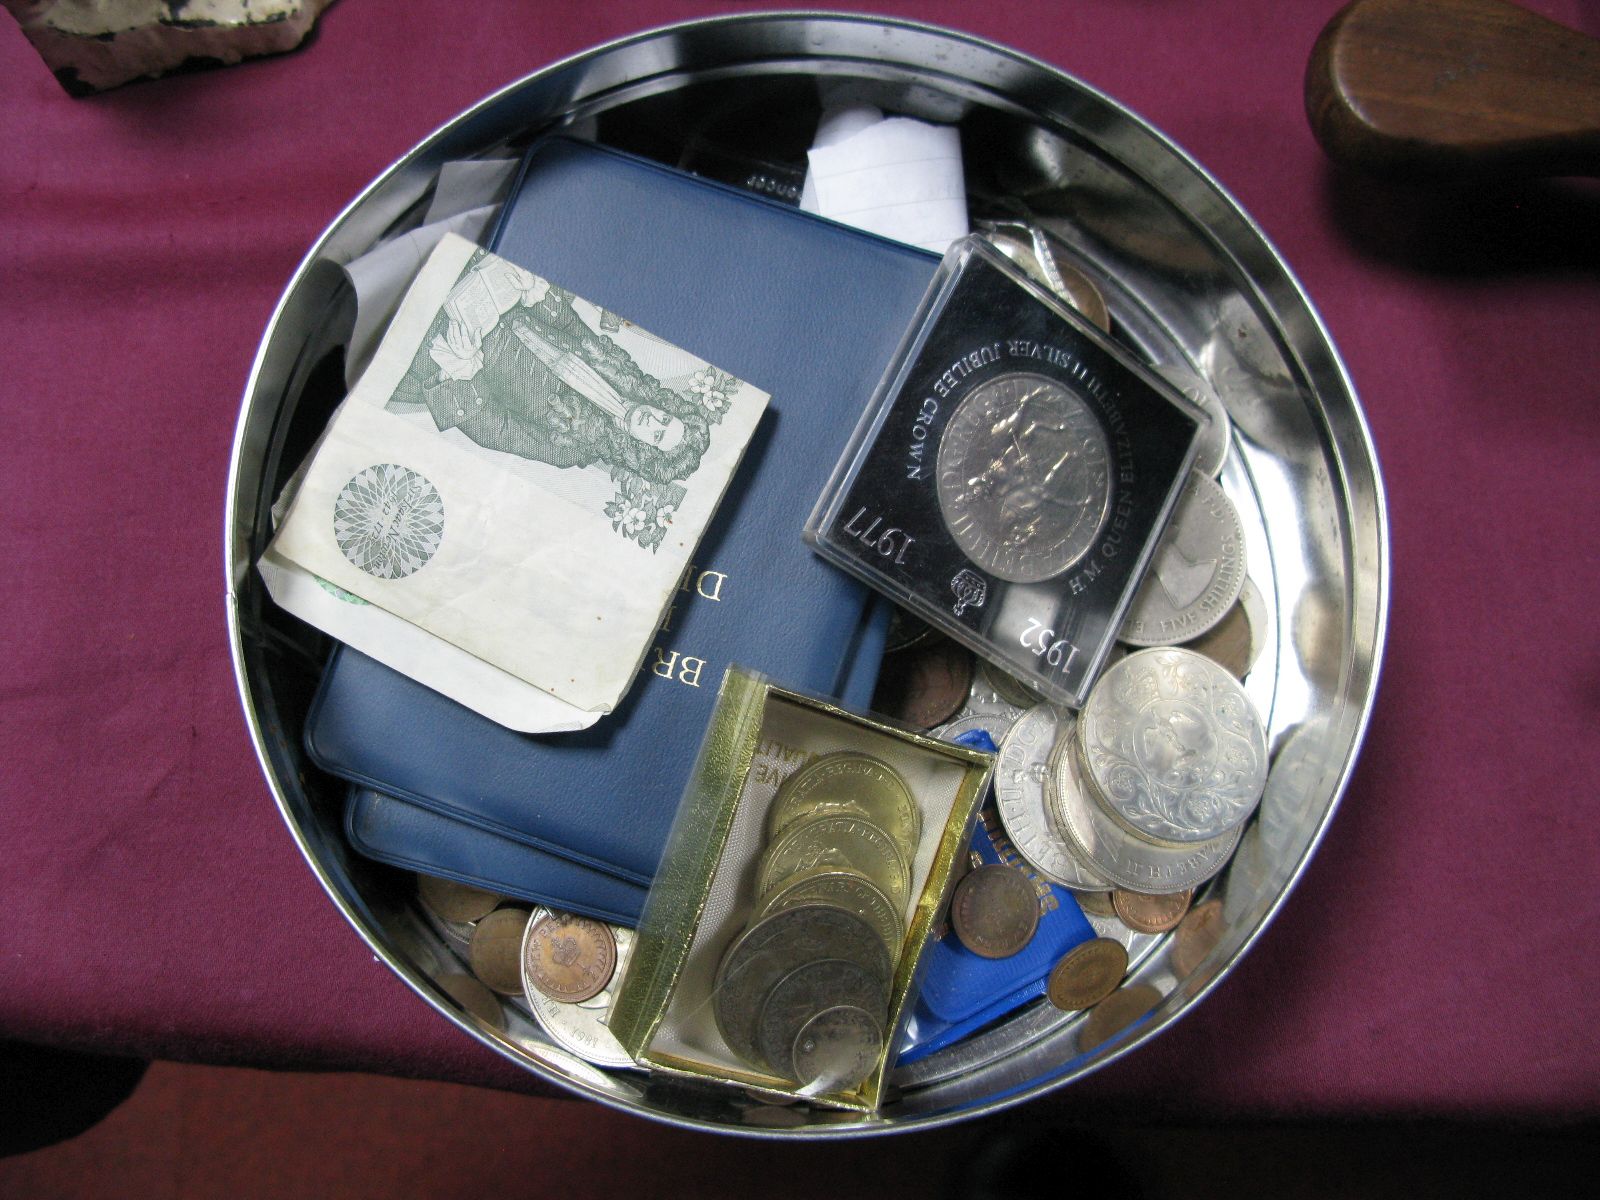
[519,475]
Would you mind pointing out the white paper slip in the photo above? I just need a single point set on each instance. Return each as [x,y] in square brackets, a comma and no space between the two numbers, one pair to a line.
[413,651]
[897,177]
[522,475]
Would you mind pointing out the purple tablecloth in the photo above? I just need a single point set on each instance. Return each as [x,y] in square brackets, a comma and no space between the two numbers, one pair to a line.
[1435,958]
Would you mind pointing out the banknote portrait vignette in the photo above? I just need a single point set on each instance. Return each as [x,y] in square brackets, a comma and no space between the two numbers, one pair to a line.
[509,362]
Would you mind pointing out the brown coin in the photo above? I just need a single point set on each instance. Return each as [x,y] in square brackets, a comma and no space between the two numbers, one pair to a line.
[569,958]
[452,901]
[1230,642]
[994,911]
[1150,914]
[495,953]
[1096,904]
[926,684]
[1196,936]
[474,997]
[1115,1013]
[1087,974]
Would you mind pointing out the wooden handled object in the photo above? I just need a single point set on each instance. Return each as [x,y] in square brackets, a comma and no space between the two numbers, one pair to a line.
[1455,89]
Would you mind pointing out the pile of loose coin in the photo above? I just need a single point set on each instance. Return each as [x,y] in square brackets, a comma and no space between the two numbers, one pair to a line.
[560,967]
[802,992]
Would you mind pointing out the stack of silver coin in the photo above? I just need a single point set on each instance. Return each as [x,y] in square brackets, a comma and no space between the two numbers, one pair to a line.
[1150,788]
[802,992]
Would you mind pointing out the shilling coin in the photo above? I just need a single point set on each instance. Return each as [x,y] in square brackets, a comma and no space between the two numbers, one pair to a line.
[848,843]
[1021,773]
[768,950]
[836,1049]
[1196,936]
[846,889]
[567,957]
[1216,433]
[1125,860]
[994,911]
[1087,974]
[1172,748]
[1150,914]
[495,954]
[848,784]
[452,901]
[1197,573]
[1024,477]
[1115,1013]
[581,1027]
[925,685]
[803,993]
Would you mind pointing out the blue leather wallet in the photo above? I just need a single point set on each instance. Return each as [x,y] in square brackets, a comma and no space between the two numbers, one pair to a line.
[419,839]
[806,309]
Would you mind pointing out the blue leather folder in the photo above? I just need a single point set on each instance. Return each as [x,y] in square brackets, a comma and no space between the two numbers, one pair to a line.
[806,309]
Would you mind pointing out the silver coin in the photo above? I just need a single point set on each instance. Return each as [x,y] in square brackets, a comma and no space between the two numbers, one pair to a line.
[1024,477]
[1020,774]
[803,993]
[768,950]
[1197,573]
[836,1049]
[1171,746]
[995,724]
[851,843]
[1125,860]
[845,889]
[1215,434]
[1035,251]
[581,1028]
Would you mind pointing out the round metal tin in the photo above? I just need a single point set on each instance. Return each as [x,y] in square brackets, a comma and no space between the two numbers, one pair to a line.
[1188,278]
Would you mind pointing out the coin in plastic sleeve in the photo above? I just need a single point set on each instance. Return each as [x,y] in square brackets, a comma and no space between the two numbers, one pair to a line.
[848,783]
[850,843]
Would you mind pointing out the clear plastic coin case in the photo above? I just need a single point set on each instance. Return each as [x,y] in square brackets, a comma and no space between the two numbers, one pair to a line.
[1010,479]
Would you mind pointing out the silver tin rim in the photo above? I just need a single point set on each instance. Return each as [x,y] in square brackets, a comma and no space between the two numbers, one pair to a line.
[1033,1053]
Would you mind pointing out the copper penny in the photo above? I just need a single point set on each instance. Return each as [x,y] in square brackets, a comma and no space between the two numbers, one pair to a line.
[1115,1013]
[495,951]
[1144,913]
[1196,936]
[1087,974]
[994,911]
[1230,642]
[474,998]
[569,958]
[452,901]
[925,685]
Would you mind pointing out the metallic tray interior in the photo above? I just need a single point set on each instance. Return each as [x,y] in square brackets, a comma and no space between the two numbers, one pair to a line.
[1189,279]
